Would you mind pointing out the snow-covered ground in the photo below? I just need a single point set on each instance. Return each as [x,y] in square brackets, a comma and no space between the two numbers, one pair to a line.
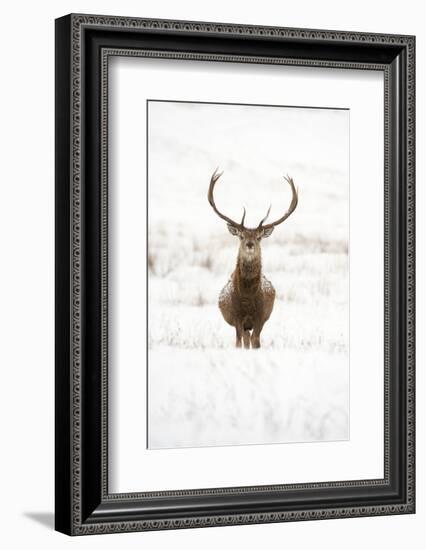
[202,391]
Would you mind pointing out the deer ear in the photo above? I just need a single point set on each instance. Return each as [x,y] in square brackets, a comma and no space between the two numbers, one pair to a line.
[233,230]
[267,231]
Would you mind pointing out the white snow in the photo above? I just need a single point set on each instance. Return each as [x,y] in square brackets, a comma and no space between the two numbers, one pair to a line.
[228,397]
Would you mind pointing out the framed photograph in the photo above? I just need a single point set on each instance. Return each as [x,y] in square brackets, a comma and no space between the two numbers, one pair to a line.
[234,274]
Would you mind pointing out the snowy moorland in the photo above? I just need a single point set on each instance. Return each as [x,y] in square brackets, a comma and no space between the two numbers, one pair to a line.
[202,391]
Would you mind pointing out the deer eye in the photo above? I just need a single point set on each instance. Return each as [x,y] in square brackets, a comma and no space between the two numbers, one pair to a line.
[259,238]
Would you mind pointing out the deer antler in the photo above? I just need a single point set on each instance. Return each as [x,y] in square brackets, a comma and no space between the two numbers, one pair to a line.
[264,219]
[216,175]
[290,210]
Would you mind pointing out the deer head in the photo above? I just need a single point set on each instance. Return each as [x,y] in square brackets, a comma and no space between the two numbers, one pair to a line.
[250,238]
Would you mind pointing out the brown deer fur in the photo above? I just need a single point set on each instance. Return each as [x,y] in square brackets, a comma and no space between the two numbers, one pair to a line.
[247,300]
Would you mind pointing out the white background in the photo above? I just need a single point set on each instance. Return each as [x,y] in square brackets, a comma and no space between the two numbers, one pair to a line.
[26,220]
[362,456]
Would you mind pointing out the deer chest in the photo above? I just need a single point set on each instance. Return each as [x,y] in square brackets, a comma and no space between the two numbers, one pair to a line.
[247,305]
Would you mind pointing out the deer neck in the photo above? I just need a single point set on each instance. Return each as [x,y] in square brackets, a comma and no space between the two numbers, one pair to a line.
[248,273]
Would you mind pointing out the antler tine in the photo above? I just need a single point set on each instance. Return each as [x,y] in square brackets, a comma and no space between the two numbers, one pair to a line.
[265,218]
[244,217]
[215,176]
[291,208]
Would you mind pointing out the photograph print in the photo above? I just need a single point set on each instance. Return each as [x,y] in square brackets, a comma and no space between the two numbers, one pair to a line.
[248,274]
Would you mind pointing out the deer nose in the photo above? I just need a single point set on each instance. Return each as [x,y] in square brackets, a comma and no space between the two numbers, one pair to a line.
[250,244]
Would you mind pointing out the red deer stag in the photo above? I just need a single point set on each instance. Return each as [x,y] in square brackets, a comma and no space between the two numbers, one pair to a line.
[246,302]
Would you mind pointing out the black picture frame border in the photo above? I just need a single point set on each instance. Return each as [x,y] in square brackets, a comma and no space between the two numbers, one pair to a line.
[83,45]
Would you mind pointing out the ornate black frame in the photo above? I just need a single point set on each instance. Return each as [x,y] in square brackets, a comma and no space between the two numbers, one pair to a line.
[83,46]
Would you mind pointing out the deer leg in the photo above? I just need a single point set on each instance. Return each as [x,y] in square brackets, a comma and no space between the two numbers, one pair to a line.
[255,336]
[246,339]
[238,337]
